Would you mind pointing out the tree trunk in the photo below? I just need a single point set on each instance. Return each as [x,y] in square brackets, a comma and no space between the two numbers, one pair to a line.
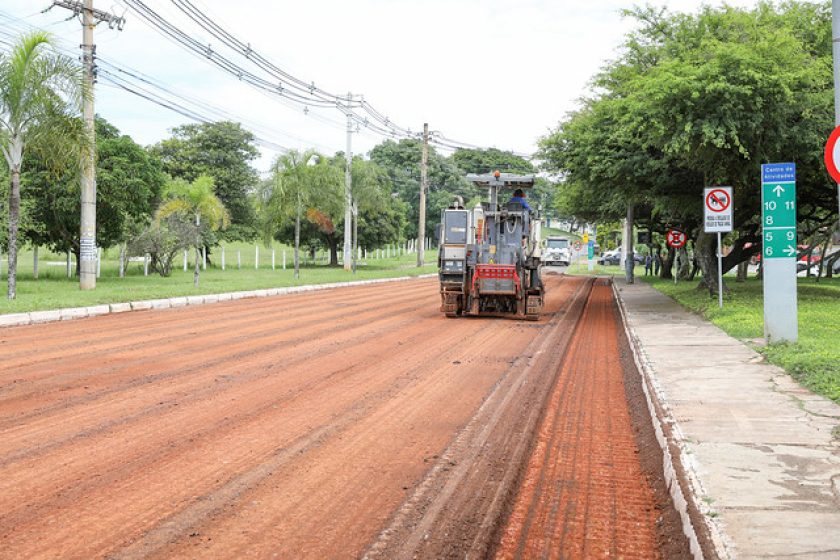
[14,219]
[332,243]
[629,261]
[743,267]
[685,265]
[667,265]
[704,251]
[297,244]
[197,269]
[822,257]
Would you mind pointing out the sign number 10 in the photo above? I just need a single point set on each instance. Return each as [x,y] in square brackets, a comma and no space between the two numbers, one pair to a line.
[771,205]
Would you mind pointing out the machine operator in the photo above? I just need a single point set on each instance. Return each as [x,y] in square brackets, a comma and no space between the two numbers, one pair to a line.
[519,196]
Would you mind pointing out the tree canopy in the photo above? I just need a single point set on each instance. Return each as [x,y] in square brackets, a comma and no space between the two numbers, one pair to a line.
[701,100]
[222,150]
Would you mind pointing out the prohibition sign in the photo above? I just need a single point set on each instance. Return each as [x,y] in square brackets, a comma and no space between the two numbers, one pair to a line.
[718,200]
[675,239]
[832,155]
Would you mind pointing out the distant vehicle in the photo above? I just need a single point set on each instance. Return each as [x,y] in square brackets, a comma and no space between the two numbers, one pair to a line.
[557,251]
[614,257]
[816,254]
[610,257]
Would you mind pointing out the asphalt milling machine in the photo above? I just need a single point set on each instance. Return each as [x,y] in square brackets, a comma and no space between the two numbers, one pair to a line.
[489,256]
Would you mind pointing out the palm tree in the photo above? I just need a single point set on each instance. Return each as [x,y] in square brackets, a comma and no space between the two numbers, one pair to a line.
[41,95]
[199,202]
[298,180]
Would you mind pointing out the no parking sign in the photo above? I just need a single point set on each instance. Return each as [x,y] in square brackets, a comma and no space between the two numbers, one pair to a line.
[675,238]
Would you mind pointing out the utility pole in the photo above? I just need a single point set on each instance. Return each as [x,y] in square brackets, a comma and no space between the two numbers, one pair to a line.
[835,49]
[424,186]
[348,192]
[87,238]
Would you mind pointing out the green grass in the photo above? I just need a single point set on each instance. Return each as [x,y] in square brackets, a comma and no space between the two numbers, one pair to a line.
[814,360]
[54,290]
[546,231]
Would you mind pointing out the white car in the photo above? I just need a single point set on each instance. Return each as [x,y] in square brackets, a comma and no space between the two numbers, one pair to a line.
[556,251]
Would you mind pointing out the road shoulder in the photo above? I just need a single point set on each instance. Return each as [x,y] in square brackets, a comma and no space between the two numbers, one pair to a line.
[760,462]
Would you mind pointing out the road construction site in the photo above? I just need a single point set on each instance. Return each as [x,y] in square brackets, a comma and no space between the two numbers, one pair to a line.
[346,423]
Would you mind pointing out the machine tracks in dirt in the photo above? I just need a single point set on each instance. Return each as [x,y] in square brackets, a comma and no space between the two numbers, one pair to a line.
[345,423]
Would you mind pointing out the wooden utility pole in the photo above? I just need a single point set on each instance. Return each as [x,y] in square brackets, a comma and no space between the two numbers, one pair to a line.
[424,186]
[87,236]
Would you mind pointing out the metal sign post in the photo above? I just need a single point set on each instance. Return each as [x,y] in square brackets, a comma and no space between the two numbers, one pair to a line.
[778,251]
[676,239]
[717,218]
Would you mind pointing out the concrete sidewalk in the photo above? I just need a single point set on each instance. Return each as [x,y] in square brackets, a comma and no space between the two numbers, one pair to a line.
[761,462]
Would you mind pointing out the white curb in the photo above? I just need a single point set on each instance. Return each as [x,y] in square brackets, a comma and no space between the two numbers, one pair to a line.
[660,415]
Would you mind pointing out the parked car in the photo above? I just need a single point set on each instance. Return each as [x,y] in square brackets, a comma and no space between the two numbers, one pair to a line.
[614,257]
[610,257]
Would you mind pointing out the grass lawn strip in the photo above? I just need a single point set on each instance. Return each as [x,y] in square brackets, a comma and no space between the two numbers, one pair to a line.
[814,360]
[53,290]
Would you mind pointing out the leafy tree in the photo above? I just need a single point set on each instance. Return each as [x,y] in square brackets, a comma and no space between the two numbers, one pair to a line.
[300,181]
[196,200]
[491,159]
[702,100]
[401,161]
[128,187]
[163,239]
[224,151]
[41,93]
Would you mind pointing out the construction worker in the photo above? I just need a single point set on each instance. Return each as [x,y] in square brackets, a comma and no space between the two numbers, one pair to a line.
[519,196]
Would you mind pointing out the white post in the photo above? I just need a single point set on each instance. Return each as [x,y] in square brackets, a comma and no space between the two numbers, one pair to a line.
[835,48]
[720,272]
[204,258]
[256,257]
[185,260]
[284,259]
[122,260]
[223,257]
[272,258]
[69,268]
[99,262]
[238,259]
[146,264]
[35,262]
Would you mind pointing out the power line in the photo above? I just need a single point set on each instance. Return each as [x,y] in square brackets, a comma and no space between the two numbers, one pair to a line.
[307,92]
[136,82]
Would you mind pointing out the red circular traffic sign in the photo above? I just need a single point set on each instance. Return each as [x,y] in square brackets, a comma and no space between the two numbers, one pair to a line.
[832,154]
[675,239]
[718,200]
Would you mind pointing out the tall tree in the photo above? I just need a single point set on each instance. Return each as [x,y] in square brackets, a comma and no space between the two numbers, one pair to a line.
[701,100]
[41,94]
[490,159]
[128,188]
[198,201]
[300,182]
[401,161]
[224,151]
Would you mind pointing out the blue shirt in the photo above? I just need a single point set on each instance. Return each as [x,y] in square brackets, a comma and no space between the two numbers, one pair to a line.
[521,200]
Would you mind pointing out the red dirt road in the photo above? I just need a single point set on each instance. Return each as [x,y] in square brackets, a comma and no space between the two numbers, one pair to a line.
[581,496]
[344,423]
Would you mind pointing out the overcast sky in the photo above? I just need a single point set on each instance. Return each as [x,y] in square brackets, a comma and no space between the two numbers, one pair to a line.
[489,72]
